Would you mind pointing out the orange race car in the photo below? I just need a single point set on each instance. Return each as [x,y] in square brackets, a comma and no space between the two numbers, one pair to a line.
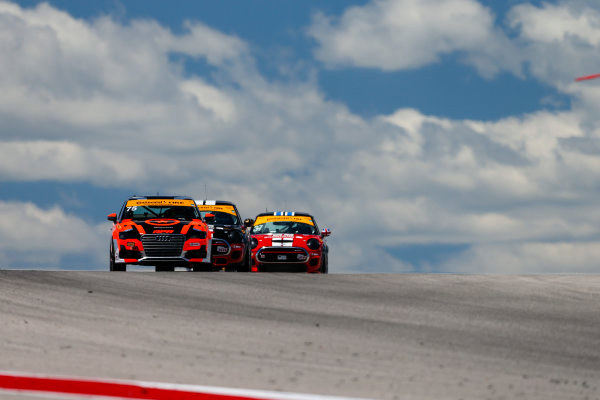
[230,244]
[288,242]
[161,231]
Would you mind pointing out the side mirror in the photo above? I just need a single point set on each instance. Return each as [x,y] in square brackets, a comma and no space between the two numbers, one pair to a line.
[209,218]
[112,217]
[325,232]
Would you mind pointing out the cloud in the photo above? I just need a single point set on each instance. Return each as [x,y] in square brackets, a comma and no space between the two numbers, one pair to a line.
[396,35]
[34,237]
[558,41]
[554,43]
[112,104]
[532,258]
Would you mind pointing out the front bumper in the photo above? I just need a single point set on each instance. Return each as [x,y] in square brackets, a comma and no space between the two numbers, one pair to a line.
[224,253]
[285,259]
[162,250]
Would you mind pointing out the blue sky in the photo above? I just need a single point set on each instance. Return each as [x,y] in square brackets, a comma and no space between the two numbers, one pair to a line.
[430,136]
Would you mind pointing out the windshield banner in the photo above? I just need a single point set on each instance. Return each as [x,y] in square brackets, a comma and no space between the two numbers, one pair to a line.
[159,203]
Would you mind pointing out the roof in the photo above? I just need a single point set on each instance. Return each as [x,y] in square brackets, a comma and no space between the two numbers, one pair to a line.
[286,214]
[214,203]
[135,197]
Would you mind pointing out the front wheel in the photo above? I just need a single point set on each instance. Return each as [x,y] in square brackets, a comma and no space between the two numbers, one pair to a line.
[245,265]
[324,266]
[113,265]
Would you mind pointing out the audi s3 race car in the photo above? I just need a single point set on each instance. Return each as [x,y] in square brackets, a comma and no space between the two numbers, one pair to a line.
[230,244]
[288,242]
[160,231]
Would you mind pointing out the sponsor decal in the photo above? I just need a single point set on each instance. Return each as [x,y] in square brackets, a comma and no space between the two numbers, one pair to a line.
[163,231]
[220,208]
[283,236]
[292,218]
[159,203]
[162,222]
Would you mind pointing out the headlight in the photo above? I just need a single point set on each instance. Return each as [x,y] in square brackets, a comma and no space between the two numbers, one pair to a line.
[234,236]
[129,234]
[197,233]
[254,243]
[313,244]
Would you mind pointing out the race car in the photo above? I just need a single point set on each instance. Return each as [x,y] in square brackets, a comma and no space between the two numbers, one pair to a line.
[230,244]
[288,242]
[160,231]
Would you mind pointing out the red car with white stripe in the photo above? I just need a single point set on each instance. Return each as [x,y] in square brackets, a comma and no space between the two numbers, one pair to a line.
[285,241]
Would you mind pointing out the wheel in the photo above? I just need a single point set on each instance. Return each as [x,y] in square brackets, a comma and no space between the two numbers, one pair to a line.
[113,265]
[245,265]
[164,268]
[324,266]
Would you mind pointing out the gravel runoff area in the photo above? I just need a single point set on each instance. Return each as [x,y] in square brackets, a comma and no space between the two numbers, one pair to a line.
[388,336]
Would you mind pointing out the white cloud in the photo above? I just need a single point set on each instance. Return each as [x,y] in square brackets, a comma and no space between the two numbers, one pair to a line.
[556,23]
[407,34]
[553,42]
[532,258]
[558,41]
[106,103]
[34,237]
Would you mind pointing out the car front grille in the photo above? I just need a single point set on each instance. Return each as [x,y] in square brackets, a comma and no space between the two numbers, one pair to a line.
[283,255]
[163,245]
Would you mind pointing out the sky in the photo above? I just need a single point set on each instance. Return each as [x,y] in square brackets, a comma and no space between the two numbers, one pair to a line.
[430,136]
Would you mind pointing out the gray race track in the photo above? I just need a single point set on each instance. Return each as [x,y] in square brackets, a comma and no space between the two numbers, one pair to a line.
[375,336]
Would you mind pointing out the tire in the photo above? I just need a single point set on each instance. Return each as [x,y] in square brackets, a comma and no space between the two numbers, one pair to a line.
[245,265]
[325,266]
[164,268]
[113,265]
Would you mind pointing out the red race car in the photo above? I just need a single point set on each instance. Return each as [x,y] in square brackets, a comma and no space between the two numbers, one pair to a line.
[288,242]
[162,231]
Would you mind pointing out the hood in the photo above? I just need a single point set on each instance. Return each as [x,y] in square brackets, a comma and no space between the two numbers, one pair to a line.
[164,225]
[283,239]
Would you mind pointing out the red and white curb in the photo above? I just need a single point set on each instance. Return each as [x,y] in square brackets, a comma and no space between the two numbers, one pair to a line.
[86,388]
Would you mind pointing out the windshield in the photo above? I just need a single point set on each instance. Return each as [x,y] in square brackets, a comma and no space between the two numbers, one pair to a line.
[284,227]
[222,218]
[182,213]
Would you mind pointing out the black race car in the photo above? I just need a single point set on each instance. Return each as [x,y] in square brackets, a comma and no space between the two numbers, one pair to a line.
[230,243]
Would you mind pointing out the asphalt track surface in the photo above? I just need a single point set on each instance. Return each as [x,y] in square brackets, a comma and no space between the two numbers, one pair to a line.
[372,336]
